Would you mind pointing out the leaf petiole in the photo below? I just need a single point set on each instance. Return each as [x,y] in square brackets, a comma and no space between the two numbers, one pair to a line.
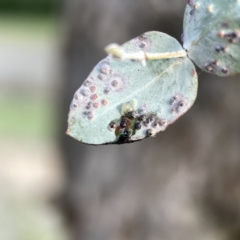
[116,50]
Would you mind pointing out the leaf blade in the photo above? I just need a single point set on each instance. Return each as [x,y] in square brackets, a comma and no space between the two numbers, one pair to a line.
[212,35]
[143,90]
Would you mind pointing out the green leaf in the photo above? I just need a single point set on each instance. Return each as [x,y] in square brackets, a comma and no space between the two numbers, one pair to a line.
[212,35]
[123,101]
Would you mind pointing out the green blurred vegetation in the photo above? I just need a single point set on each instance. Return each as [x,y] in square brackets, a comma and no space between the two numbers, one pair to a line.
[28,21]
[29,220]
[28,27]
[29,6]
[29,117]
[28,114]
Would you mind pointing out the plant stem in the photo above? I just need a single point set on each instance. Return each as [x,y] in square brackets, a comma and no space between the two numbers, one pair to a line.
[155,56]
[117,51]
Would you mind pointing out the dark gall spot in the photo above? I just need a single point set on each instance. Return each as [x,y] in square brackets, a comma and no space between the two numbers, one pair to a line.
[114,83]
[225,70]
[231,37]
[137,126]
[124,137]
[126,127]
[149,120]
[181,104]
[220,49]
[87,83]
[75,105]
[107,90]
[89,105]
[173,99]
[88,114]
[141,111]
[155,124]
[163,122]
[142,44]
[192,12]
[112,125]
[149,132]
[131,115]
[211,66]
[142,118]
[123,122]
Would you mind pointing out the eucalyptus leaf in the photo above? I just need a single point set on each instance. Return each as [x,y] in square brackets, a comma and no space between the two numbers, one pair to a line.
[124,101]
[212,35]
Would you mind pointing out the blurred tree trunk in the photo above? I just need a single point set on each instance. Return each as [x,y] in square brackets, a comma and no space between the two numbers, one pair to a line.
[183,184]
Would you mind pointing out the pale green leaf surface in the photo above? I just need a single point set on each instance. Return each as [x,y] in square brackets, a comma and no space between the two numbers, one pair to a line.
[161,91]
[212,35]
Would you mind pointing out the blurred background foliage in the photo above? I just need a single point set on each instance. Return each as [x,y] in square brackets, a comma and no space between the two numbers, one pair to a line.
[41,7]
[29,43]
[31,174]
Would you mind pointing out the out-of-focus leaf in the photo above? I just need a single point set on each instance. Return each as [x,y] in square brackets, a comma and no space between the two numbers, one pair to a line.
[212,35]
